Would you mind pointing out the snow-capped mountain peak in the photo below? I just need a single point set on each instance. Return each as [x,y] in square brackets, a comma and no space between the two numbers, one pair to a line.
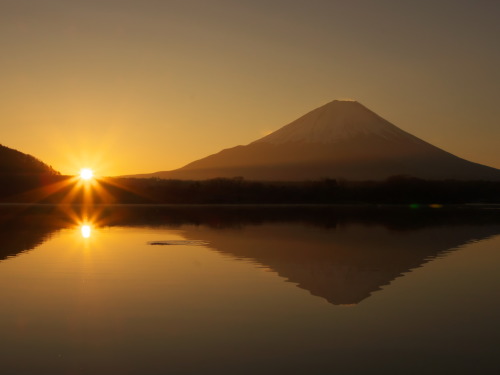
[336,121]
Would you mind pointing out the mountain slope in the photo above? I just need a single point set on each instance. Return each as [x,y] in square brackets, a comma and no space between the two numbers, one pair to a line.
[342,139]
[13,162]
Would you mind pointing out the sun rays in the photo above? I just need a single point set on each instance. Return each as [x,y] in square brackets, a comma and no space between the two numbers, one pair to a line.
[83,198]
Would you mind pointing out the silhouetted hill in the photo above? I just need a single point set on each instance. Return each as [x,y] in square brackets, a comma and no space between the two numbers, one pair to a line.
[342,139]
[13,162]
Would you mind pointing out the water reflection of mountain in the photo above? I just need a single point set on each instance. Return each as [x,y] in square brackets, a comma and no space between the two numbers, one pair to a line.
[340,254]
[343,265]
[225,217]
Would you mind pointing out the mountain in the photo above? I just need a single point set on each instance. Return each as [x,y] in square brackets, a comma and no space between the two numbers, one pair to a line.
[342,139]
[13,162]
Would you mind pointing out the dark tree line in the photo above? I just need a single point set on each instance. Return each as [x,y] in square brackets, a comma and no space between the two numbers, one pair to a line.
[399,189]
[52,188]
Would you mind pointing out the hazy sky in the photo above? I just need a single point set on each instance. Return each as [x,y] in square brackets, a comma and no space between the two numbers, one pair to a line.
[132,86]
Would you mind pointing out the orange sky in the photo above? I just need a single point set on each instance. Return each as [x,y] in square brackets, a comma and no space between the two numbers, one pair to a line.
[135,86]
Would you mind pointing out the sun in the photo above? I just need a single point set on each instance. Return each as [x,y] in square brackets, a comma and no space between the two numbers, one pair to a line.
[86,174]
[86,230]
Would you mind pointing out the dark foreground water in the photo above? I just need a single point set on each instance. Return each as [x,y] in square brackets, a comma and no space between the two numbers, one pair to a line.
[165,290]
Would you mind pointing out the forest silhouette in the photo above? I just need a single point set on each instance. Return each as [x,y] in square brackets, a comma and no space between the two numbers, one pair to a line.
[53,188]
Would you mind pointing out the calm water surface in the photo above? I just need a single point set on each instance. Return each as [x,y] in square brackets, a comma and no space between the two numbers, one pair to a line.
[249,291]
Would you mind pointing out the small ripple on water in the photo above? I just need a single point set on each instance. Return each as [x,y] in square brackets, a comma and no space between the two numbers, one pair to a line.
[179,242]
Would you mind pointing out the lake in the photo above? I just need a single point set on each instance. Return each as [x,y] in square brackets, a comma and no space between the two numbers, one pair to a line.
[249,290]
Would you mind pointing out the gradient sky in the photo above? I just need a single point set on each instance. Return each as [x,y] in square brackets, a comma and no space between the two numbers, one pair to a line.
[135,86]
